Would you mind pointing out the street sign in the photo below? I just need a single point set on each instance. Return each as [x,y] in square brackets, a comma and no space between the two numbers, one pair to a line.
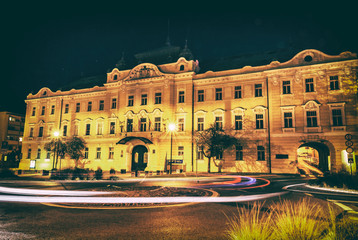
[348,137]
[349,143]
[176,161]
[349,150]
[350,158]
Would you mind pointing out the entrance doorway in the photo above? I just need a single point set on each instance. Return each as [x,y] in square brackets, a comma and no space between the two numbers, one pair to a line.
[139,158]
[313,157]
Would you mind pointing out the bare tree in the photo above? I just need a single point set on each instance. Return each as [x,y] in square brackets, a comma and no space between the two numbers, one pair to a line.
[212,142]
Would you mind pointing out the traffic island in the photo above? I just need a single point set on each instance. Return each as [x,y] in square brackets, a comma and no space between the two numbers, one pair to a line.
[139,192]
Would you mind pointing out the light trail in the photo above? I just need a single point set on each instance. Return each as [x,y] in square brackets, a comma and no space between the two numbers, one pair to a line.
[123,200]
[22,191]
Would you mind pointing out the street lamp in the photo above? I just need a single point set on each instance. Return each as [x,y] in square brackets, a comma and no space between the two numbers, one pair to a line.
[55,134]
[171,128]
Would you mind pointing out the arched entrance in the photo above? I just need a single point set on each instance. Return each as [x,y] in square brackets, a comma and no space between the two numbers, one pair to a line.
[314,155]
[139,158]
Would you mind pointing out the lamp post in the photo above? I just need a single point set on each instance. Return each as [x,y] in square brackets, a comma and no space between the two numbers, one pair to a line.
[171,128]
[55,134]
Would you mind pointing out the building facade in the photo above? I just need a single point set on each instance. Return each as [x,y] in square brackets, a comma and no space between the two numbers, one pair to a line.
[289,117]
[11,132]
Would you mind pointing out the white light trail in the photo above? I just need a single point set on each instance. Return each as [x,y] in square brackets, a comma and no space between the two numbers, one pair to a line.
[22,191]
[118,200]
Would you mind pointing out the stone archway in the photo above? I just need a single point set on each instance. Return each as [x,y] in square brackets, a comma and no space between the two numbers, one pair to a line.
[314,157]
[139,158]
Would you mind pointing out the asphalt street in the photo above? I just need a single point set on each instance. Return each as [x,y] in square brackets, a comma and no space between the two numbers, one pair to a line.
[202,220]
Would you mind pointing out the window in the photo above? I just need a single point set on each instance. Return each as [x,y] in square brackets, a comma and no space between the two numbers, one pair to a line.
[143,124]
[38,153]
[180,150]
[98,153]
[130,100]
[112,128]
[238,92]
[181,125]
[66,108]
[238,122]
[157,123]
[287,119]
[43,110]
[200,124]
[311,118]
[200,95]
[181,67]
[86,153]
[88,129]
[309,85]
[101,105]
[239,154]
[258,90]
[99,128]
[129,125]
[199,153]
[259,121]
[260,153]
[114,103]
[64,131]
[52,109]
[89,106]
[111,153]
[333,83]
[144,99]
[219,123]
[218,93]
[337,118]
[41,131]
[181,96]
[48,155]
[286,87]
[78,107]
[31,132]
[29,153]
[33,111]
[158,98]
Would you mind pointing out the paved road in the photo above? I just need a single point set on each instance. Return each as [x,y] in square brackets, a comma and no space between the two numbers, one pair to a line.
[19,220]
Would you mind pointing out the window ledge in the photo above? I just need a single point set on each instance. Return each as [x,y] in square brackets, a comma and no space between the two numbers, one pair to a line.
[312,129]
[288,130]
[338,128]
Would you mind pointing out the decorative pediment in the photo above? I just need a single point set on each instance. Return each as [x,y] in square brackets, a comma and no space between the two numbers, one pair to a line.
[312,105]
[259,109]
[129,114]
[238,111]
[157,112]
[218,112]
[145,70]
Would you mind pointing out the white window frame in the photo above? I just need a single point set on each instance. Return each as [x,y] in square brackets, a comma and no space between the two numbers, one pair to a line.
[288,109]
[337,106]
[219,112]
[239,111]
[260,110]
[312,106]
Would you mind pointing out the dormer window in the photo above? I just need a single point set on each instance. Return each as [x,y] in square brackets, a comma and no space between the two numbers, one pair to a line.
[115,77]
[181,67]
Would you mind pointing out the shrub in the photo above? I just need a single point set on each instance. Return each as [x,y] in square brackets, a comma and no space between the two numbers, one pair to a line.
[250,224]
[301,220]
[98,173]
[112,171]
[291,220]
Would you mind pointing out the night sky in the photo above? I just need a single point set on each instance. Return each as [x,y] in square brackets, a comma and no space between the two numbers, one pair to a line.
[53,45]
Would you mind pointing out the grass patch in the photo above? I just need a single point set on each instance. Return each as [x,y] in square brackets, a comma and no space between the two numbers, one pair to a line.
[286,220]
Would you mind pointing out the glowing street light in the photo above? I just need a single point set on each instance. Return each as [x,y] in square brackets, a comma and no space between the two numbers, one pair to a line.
[171,128]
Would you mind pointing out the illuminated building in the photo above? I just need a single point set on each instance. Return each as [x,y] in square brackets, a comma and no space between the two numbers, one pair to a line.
[11,132]
[276,109]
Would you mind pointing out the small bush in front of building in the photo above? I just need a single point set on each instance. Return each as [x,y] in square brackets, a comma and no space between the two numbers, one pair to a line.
[98,173]
[112,171]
